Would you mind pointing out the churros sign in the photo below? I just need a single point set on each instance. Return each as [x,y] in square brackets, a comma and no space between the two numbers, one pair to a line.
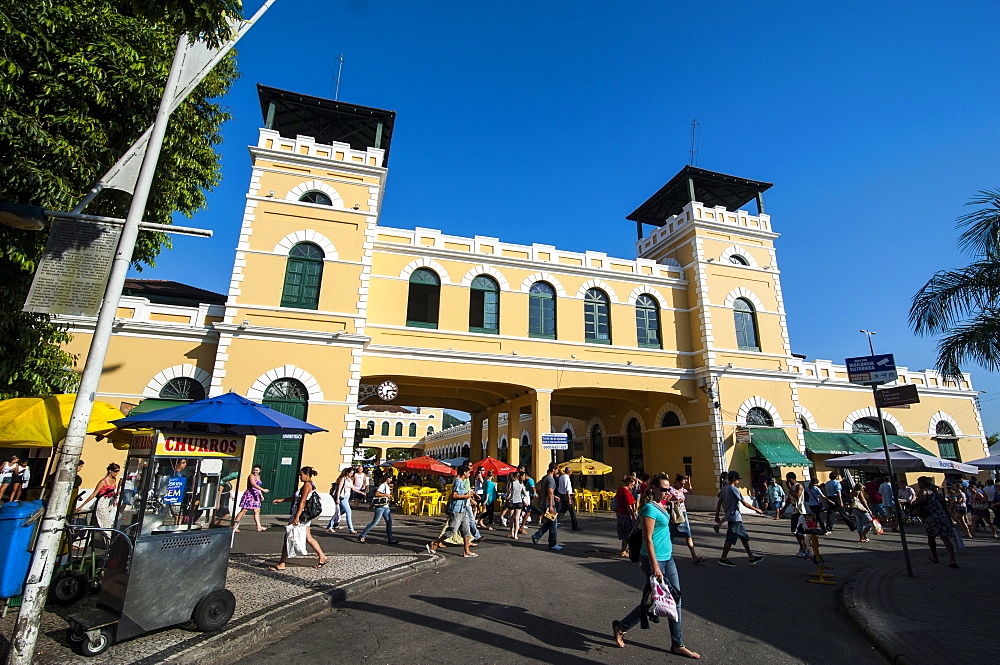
[187,444]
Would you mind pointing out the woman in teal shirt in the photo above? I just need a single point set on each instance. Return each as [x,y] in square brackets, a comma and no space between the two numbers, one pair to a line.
[657,562]
[489,497]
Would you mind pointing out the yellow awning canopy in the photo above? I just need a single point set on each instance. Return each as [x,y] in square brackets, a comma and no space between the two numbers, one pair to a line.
[41,422]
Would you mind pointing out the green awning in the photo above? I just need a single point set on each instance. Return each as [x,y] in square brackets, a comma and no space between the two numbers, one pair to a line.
[155,404]
[832,443]
[777,448]
[873,442]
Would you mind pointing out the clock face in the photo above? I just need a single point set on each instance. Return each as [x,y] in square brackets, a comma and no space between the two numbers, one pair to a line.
[387,391]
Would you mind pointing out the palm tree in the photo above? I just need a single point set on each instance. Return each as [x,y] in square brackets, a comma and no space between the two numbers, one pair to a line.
[964,304]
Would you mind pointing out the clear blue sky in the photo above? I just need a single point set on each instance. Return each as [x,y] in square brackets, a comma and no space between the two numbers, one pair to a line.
[876,122]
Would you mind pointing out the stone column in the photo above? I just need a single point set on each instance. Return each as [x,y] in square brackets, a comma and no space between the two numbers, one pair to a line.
[476,436]
[492,433]
[541,423]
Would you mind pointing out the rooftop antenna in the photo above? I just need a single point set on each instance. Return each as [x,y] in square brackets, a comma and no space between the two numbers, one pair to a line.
[340,69]
[694,140]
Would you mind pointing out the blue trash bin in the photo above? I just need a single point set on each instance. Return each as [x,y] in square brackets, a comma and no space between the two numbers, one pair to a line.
[15,538]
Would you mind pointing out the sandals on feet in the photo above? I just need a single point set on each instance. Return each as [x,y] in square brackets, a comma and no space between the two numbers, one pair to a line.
[685,652]
[619,634]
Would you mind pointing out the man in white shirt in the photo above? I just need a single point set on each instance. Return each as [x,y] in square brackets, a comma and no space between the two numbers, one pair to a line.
[564,488]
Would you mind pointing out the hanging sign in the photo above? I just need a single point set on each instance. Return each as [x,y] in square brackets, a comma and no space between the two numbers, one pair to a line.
[555,441]
[897,396]
[73,271]
[871,370]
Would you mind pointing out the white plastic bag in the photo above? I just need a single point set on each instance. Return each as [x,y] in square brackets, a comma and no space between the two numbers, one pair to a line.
[295,539]
[663,600]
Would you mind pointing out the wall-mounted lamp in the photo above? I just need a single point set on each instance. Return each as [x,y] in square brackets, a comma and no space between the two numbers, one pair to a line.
[245,324]
[513,353]
[270,192]
[628,362]
[357,207]
[573,356]
[338,334]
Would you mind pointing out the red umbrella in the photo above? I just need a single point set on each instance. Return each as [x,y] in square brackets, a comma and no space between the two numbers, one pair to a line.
[425,465]
[495,465]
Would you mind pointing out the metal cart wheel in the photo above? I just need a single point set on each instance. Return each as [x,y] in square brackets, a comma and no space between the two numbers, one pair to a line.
[68,587]
[95,647]
[214,610]
[75,635]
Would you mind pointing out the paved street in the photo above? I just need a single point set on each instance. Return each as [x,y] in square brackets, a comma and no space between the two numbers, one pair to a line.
[518,603]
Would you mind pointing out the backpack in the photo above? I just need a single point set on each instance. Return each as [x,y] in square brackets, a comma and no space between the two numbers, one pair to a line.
[614,504]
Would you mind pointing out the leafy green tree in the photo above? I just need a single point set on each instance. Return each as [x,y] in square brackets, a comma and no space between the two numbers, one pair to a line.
[80,80]
[964,304]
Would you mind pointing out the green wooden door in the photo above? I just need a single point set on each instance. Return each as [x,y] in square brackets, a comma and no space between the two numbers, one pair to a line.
[280,455]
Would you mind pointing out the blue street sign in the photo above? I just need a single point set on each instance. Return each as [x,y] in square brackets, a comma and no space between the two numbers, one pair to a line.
[175,490]
[871,370]
[555,441]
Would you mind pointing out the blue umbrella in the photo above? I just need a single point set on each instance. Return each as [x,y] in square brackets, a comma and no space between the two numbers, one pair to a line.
[234,412]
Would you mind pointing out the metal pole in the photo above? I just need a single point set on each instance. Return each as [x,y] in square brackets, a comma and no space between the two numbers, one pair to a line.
[892,477]
[36,589]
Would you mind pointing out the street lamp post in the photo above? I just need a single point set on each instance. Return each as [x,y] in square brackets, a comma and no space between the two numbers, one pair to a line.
[22,645]
[888,464]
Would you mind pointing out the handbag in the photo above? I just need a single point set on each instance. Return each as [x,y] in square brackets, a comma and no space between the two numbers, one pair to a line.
[877,527]
[676,513]
[313,507]
[380,501]
[663,600]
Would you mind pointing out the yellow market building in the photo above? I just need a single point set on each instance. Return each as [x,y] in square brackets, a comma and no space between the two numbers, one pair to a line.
[678,360]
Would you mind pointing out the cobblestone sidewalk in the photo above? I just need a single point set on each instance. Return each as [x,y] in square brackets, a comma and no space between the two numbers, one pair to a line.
[268,604]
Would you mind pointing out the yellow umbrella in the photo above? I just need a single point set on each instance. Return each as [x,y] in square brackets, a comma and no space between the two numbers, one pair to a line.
[587,467]
[41,422]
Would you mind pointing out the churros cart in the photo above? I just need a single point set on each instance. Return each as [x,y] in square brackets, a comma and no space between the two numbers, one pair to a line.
[170,566]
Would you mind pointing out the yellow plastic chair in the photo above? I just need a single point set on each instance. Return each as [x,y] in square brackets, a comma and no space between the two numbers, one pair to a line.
[589,501]
[411,504]
[429,503]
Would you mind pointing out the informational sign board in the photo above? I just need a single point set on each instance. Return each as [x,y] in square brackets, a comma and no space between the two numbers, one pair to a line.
[616,442]
[897,396]
[286,461]
[555,441]
[743,435]
[871,370]
[73,272]
[175,490]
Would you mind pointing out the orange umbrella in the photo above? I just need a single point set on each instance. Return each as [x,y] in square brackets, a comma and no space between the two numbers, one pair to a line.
[425,465]
[495,465]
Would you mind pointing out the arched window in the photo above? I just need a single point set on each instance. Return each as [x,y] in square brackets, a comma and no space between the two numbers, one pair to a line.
[413,430]
[314,196]
[484,305]
[430,430]
[399,429]
[738,260]
[371,426]
[424,299]
[803,423]
[385,428]
[542,311]
[525,451]
[183,387]
[760,417]
[647,322]
[635,456]
[670,419]
[596,317]
[746,325]
[870,426]
[946,440]
[303,275]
